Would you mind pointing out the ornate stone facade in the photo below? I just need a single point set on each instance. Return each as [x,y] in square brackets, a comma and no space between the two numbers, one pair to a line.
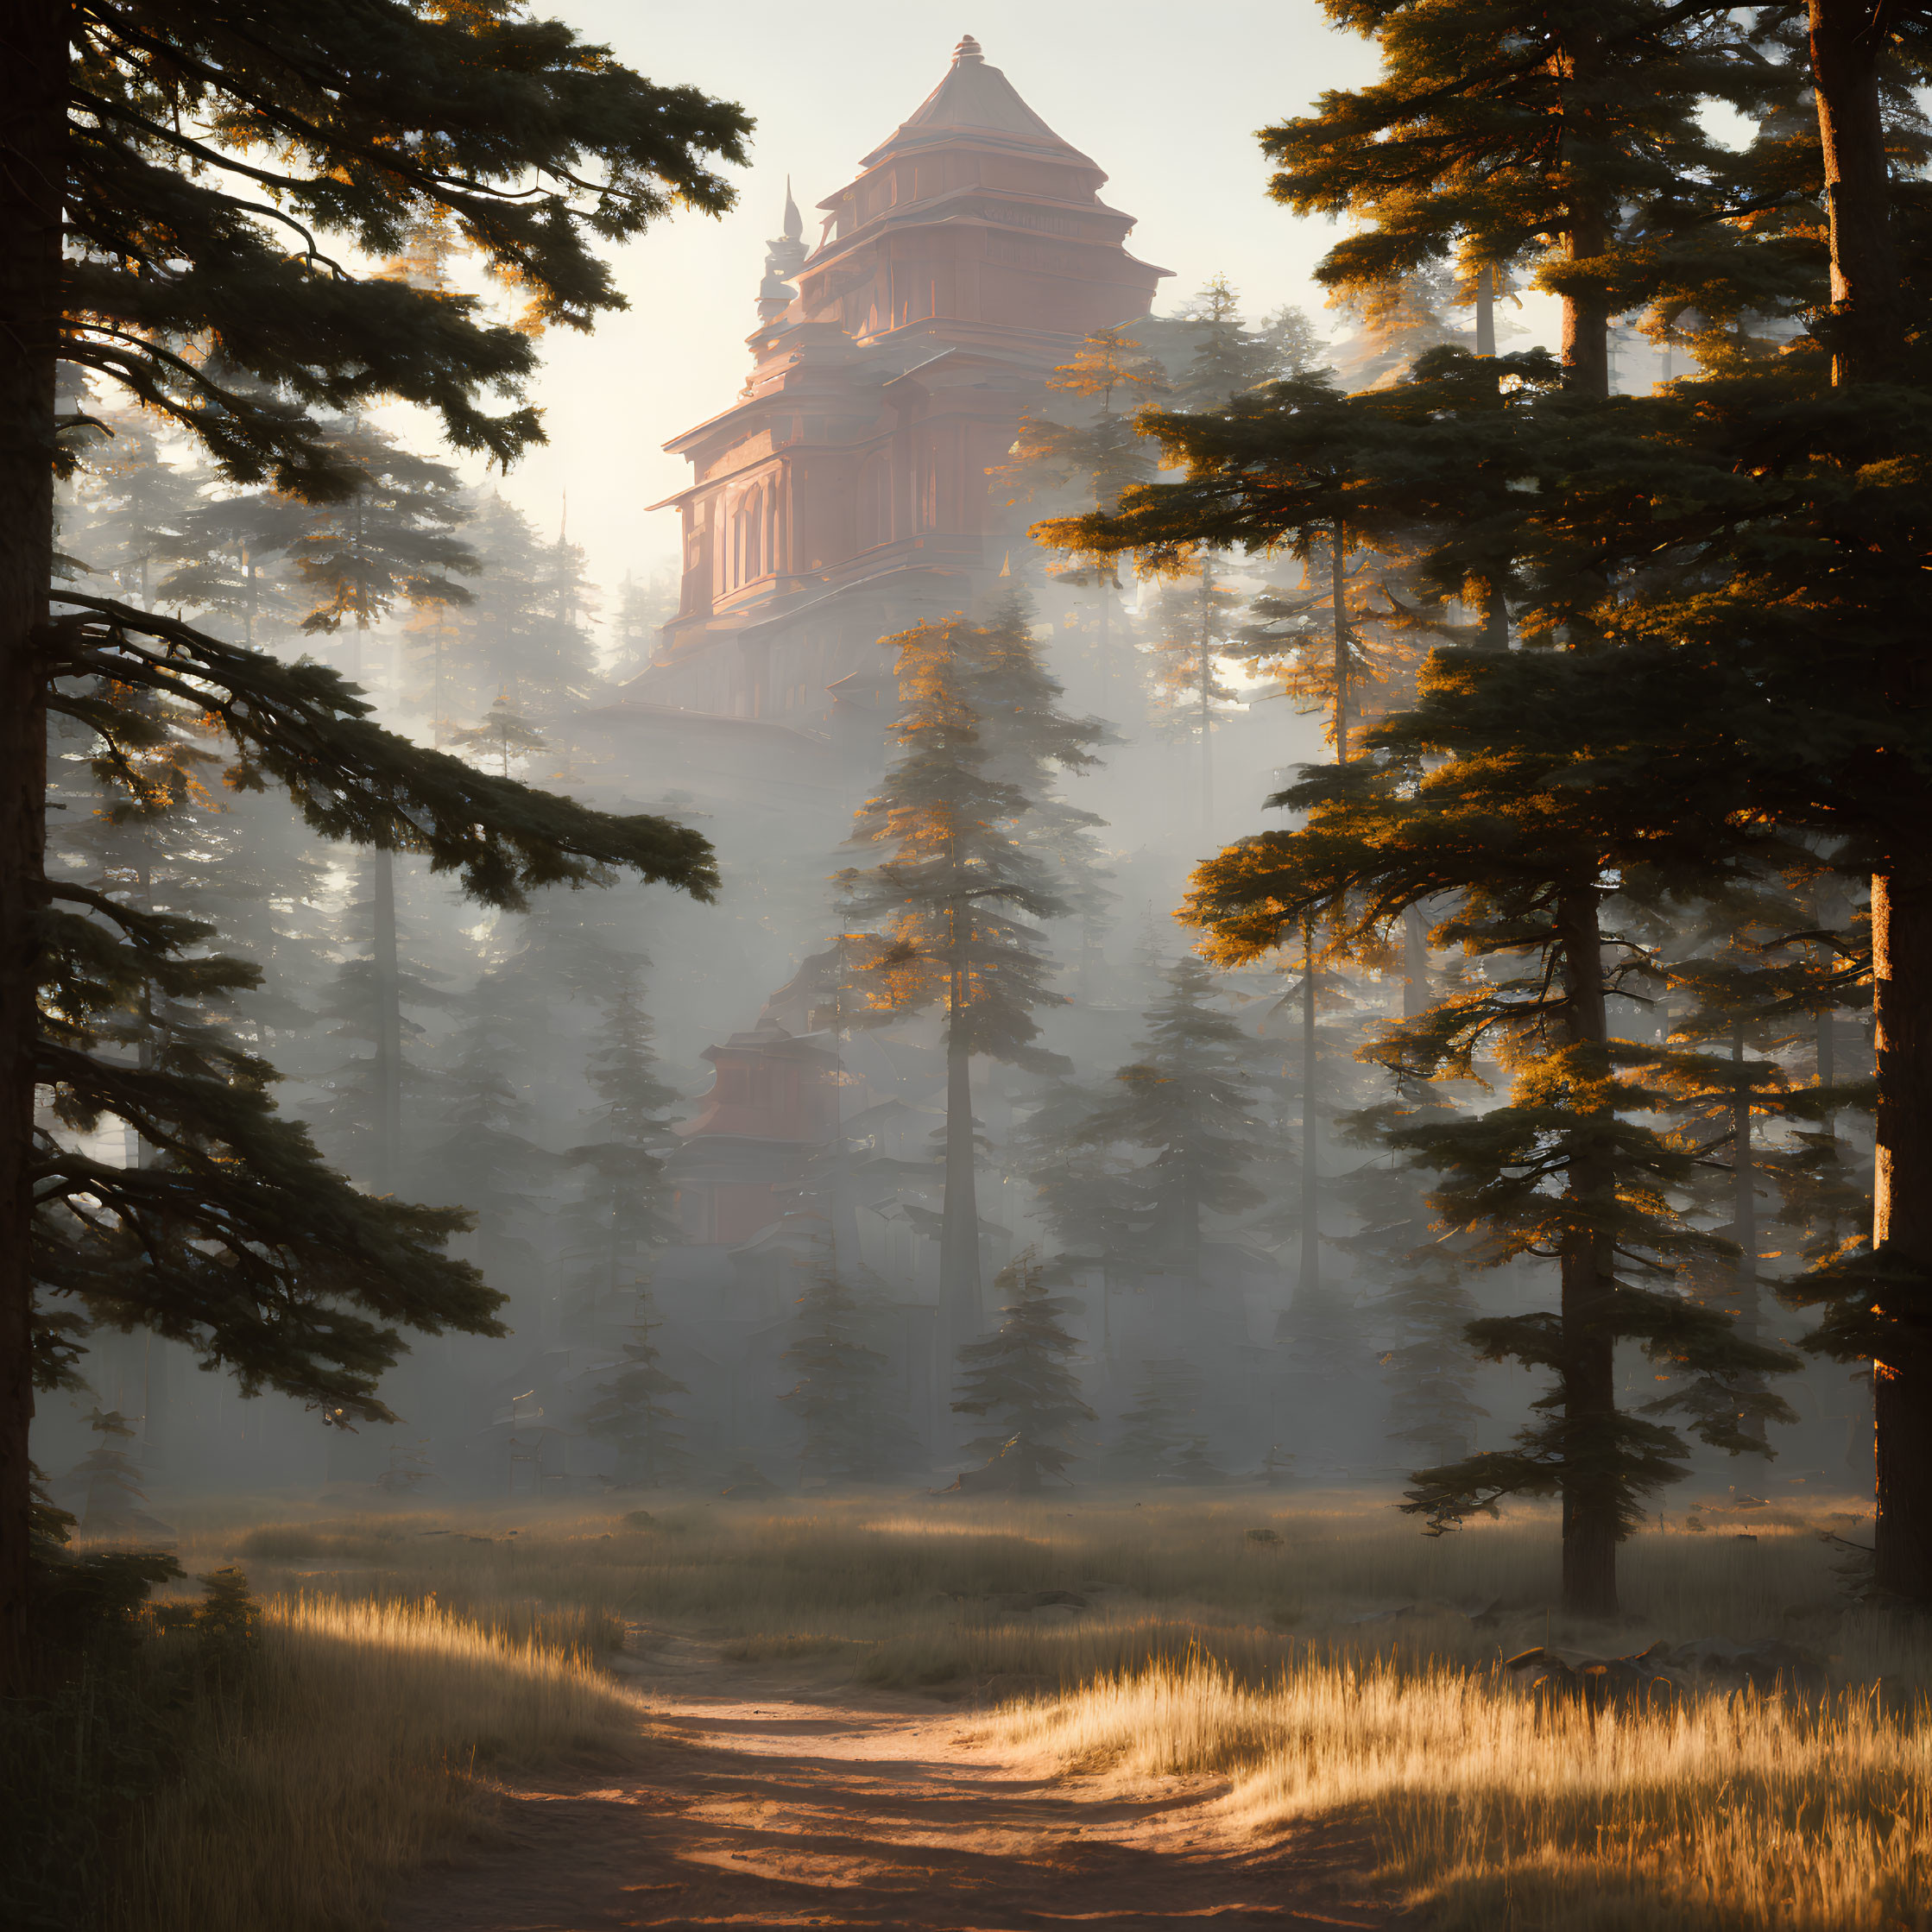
[852,488]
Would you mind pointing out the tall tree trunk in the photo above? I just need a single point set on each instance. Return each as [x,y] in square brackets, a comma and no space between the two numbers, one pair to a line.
[1902,1225]
[387,991]
[33,105]
[1827,1043]
[1207,684]
[1585,336]
[1107,630]
[1308,1279]
[1590,1487]
[1744,1216]
[1848,45]
[960,1318]
[1591,1491]
[1338,598]
[1847,48]
[1415,963]
[1495,619]
[1485,311]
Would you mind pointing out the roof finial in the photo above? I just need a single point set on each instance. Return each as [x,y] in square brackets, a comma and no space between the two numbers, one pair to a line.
[785,255]
[967,52]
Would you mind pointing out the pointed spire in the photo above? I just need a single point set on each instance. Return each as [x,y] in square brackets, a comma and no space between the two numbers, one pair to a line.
[967,52]
[785,255]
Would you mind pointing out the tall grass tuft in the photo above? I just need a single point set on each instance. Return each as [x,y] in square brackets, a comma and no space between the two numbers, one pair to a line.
[366,1733]
[1492,1811]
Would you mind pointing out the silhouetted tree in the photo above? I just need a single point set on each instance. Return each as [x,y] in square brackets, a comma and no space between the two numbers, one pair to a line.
[1160,1422]
[853,1430]
[1188,1106]
[947,905]
[1019,1380]
[628,1408]
[239,1238]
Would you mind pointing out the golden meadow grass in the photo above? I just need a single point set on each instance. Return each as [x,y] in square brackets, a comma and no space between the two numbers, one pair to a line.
[368,1736]
[1729,1812]
[467,1640]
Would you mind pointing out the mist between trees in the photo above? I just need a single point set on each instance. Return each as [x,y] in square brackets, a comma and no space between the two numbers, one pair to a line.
[933,1153]
[914,1140]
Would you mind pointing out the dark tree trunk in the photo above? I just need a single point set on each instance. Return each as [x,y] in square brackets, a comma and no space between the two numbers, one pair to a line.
[1902,1224]
[1206,683]
[387,990]
[1495,619]
[1586,341]
[1590,1488]
[1847,47]
[1743,1222]
[959,1318]
[1415,965]
[1485,312]
[1338,600]
[33,103]
[1308,1280]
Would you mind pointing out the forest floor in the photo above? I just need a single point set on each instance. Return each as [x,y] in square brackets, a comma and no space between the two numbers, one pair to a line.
[1106,1709]
[785,1794]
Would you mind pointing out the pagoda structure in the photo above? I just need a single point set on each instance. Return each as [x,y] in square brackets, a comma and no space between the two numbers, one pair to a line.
[853,488]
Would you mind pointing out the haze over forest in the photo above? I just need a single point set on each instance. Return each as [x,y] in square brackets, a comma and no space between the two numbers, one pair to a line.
[1080,870]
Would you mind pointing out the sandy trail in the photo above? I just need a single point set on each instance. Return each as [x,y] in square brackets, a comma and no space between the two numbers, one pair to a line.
[816,1803]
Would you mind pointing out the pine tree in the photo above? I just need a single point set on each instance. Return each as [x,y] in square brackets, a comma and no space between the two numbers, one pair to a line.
[232,568]
[502,736]
[124,129]
[1397,322]
[522,635]
[113,1502]
[1085,463]
[1034,745]
[391,540]
[1019,1378]
[947,906]
[620,1215]
[1188,1105]
[1587,135]
[481,1159]
[853,1431]
[373,999]
[1581,144]
[1568,1163]
[1227,358]
[644,607]
[1192,627]
[409,1472]
[1428,1367]
[1079,1182]
[137,511]
[629,1409]
[1157,1427]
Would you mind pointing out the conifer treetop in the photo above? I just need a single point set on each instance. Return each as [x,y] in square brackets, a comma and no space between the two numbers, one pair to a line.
[1501,130]
[215,158]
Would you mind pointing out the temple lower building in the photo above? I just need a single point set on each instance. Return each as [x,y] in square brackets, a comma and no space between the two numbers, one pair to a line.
[853,488]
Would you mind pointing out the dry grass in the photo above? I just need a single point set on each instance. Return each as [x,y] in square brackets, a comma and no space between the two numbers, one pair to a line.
[1727,1813]
[897,1578]
[410,1651]
[369,1734]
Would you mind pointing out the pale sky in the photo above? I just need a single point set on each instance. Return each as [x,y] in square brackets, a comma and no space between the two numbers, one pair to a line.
[1165,99]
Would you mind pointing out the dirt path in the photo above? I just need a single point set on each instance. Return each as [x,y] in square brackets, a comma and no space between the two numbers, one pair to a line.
[816,1805]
